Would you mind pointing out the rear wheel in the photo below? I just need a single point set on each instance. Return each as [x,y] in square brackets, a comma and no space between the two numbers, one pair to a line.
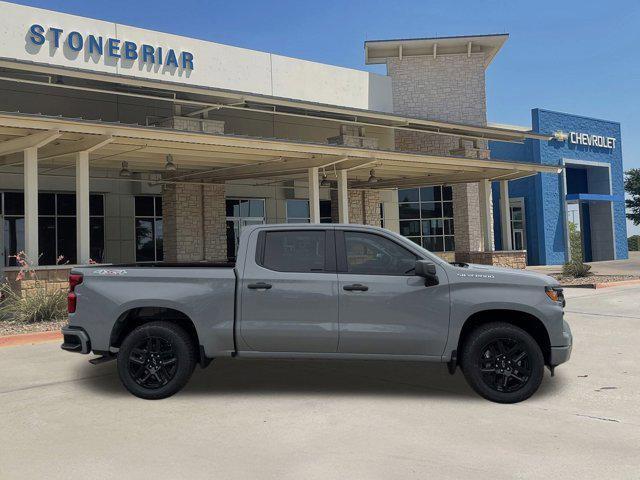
[502,362]
[156,360]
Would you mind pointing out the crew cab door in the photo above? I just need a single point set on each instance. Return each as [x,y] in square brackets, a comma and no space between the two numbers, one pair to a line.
[384,307]
[289,292]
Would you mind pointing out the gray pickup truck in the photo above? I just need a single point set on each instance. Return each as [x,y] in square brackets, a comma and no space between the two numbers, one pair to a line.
[320,291]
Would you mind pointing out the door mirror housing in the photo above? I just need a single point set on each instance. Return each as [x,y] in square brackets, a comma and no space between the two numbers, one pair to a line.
[427,270]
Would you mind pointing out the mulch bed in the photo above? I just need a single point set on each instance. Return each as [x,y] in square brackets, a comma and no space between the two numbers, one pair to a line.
[592,280]
[16,328]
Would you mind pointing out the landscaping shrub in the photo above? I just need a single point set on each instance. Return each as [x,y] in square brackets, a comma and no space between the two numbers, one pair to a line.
[576,269]
[38,305]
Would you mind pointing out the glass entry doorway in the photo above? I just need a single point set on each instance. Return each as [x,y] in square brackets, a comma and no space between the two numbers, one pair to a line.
[241,212]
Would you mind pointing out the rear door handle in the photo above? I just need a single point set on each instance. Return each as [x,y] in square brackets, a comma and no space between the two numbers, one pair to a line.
[259,286]
[356,287]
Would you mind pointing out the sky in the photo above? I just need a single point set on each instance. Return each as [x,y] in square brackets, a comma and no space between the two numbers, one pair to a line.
[578,57]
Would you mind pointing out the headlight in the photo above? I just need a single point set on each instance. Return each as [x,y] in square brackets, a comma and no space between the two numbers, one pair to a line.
[555,294]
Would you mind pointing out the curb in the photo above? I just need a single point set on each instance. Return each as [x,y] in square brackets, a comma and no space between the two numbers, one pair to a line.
[30,338]
[604,285]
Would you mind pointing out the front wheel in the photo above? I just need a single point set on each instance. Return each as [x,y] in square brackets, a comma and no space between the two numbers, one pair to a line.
[156,360]
[502,363]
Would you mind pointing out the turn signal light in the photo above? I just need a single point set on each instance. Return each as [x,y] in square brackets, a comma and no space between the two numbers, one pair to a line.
[555,294]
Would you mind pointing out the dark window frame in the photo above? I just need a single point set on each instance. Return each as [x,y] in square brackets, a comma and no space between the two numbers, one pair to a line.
[153,219]
[55,216]
[329,249]
[341,253]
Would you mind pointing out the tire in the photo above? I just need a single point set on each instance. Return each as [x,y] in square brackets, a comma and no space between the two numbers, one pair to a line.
[502,362]
[156,360]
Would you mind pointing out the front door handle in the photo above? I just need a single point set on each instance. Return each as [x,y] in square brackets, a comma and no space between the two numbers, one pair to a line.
[356,287]
[259,286]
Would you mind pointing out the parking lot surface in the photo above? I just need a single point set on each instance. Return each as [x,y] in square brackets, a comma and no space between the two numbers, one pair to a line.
[64,418]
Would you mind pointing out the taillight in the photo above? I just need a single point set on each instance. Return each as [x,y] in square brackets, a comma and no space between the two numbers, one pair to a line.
[74,281]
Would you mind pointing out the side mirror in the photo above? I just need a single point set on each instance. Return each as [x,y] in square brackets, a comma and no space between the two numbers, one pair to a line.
[427,270]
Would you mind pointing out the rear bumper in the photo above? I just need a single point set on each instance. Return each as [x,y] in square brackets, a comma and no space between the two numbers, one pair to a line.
[75,340]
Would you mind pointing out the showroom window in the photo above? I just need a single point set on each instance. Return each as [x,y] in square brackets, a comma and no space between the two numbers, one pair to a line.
[56,227]
[241,213]
[426,217]
[148,221]
[298,211]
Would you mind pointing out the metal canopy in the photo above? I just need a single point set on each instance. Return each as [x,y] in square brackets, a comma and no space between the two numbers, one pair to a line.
[197,100]
[202,157]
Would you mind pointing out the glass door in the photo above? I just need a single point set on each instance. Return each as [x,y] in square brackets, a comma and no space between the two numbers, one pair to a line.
[241,212]
[518,233]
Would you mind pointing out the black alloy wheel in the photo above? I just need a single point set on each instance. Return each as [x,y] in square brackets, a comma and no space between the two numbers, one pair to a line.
[502,362]
[152,362]
[156,360]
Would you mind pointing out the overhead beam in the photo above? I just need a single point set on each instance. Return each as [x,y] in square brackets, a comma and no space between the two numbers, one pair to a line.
[88,144]
[35,140]
[274,167]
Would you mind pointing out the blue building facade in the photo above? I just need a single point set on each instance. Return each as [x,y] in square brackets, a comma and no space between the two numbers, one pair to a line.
[589,192]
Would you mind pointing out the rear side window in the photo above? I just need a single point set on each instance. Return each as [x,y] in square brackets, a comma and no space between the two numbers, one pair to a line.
[370,254]
[295,251]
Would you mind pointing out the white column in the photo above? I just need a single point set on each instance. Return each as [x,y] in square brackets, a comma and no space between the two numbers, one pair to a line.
[485,214]
[31,205]
[314,195]
[82,207]
[343,197]
[505,215]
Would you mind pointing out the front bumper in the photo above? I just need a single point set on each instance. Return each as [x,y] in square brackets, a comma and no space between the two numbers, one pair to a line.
[75,340]
[562,354]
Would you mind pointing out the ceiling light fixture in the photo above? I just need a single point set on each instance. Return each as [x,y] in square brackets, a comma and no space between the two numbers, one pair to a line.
[124,171]
[324,182]
[169,165]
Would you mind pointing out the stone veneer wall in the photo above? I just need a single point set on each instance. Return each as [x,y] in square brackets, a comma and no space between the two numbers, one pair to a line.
[448,88]
[56,278]
[215,223]
[506,258]
[364,207]
[194,222]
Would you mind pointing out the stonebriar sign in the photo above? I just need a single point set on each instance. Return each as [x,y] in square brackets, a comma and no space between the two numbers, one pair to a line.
[115,48]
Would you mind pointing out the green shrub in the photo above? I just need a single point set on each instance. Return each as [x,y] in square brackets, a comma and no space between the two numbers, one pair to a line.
[38,305]
[634,243]
[576,269]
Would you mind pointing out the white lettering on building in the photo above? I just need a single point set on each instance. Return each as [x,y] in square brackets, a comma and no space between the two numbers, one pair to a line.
[592,140]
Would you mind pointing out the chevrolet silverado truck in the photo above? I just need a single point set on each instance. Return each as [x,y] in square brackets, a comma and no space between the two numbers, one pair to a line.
[320,291]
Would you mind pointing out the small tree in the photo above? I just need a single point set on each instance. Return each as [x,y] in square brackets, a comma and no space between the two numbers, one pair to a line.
[632,187]
[575,243]
[634,243]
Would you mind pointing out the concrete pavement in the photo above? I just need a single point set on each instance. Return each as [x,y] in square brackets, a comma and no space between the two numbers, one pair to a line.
[64,418]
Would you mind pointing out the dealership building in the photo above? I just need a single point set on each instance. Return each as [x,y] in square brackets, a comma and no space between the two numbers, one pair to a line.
[119,144]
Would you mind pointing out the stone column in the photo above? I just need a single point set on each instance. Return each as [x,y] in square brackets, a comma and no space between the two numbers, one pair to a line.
[194,222]
[182,219]
[449,88]
[215,223]
[371,207]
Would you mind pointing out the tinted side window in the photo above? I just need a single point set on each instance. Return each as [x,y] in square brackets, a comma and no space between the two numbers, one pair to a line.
[295,251]
[369,254]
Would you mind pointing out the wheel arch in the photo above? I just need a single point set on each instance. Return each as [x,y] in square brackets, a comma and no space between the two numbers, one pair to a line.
[136,316]
[526,321]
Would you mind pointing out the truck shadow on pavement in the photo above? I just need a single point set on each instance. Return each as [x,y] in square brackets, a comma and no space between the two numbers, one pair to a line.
[319,377]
